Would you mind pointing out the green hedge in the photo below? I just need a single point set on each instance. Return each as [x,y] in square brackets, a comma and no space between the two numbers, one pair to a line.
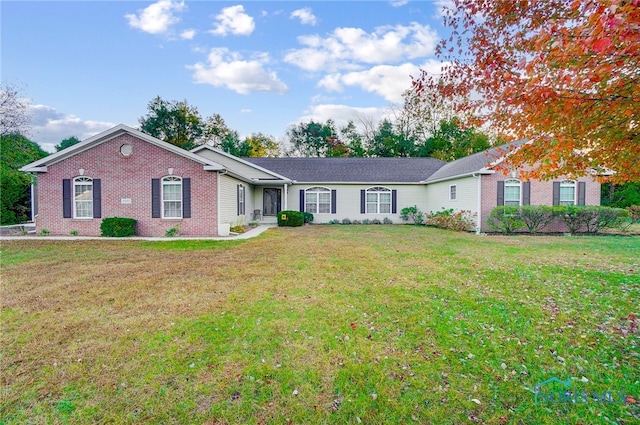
[290,218]
[118,227]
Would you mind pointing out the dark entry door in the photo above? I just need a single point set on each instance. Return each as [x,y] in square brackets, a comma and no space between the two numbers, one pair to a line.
[271,201]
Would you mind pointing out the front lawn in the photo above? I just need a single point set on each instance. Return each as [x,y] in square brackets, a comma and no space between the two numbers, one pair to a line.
[322,324]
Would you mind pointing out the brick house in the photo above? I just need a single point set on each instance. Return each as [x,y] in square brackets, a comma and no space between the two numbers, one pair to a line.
[125,173]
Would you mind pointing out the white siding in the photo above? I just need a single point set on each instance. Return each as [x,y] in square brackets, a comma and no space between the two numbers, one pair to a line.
[229,201]
[348,200]
[235,166]
[466,195]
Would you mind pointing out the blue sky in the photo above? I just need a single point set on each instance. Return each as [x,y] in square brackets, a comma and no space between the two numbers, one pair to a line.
[261,65]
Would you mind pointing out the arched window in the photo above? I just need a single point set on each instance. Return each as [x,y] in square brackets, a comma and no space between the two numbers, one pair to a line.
[171,197]
[512,193]
[378,200]
[83,197]
[317,200]
[568,192]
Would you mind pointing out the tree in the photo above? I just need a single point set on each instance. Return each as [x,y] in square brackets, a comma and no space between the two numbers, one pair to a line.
[14,111]
[450,141]
[387,142]
[314,139]
[69,141]
[620,196]
[174,122]
[17,151]
[261,145]
[562,73]
[353,141]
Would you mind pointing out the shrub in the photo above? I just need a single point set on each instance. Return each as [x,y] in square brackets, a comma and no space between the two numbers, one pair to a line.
[237,229]
[376,221]
[611,217]
[45,232]
[366,221]
[451,220]
[412,214]
[633,217]
[387,220]
[308,217]
[334,221]
[536,217]
[74,233]
[172,231]
[118,227]
[505,219]
[290,218]
[346,221]
[356,222]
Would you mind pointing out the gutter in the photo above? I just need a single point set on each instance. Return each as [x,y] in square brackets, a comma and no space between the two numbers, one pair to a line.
[457,176]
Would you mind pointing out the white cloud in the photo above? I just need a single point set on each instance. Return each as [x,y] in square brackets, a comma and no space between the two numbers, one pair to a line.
[399,3]
[156,18]
[354,48]
[246,111]
[233,20]
[188,34]
[49,127]
[342,114]
[228,69]
[305,15]
[384,80]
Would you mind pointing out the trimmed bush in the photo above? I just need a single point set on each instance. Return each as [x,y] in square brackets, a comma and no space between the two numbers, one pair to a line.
[346,221]
[387,220]
[308,217]
[290,218]
[118,227]
[505,219]
[536,217]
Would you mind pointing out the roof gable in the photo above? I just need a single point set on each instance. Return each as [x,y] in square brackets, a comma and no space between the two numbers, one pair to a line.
[239,166]
[351,170]
[41,164]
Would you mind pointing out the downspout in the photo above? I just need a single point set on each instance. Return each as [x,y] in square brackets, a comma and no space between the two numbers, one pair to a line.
[479,224]
[220,173]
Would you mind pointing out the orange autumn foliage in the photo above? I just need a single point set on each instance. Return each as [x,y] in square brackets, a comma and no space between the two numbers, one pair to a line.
[564,74]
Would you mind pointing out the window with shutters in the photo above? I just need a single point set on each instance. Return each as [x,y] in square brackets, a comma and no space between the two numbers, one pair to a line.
[171,197]
[317,200]
[567,192]
[512,193]
[83,197]
[378,200]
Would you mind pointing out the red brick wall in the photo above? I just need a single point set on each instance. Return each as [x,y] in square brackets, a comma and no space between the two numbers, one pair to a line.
[128,177]
[541,194]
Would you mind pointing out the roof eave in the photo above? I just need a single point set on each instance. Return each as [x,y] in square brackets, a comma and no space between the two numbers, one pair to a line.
[484,171]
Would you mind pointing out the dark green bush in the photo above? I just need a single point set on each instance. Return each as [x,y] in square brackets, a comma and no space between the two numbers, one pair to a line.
[308,217]
[346,221]
[290,218]
[505,219]
[118,227]
[412,214]
[536,217]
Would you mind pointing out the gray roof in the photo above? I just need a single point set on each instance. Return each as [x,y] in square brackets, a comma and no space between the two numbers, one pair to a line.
[352,170]
[475,162]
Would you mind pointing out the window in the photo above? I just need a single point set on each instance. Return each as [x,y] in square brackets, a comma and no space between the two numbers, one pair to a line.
[83,197]
[241,199]
[317,200]
[378,200]
[512,193]
[171,197]
[567,192]
[453,195]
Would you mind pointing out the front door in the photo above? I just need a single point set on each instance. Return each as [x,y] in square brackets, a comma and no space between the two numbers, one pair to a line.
[271,204]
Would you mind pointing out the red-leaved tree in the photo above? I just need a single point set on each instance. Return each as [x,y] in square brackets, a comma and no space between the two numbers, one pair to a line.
[561,73]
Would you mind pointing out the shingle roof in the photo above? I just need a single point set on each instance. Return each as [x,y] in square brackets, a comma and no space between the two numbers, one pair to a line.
[473,163]
[362,170]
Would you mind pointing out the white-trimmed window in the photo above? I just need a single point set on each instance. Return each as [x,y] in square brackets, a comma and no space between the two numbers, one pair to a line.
[512,189]
[317,200]
[567,192]
[83,197]
[378,200]
[453,192]
[241,199]
[171,197]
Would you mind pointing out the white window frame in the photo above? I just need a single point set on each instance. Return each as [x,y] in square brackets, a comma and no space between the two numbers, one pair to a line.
[241,199]
[314,207]
[378,191]
[78,182]
[170,181]
[568,184]
[510,184]
[453,192]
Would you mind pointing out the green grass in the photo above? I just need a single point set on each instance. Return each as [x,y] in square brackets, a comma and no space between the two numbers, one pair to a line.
[320,324]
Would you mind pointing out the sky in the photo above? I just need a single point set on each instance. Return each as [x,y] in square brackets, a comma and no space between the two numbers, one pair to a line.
[86,66]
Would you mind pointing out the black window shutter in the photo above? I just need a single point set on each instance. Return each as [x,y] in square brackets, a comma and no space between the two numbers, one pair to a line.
[582,193]
[556,193]
[238,212]
[363,202]
[66,198]
[500,193]
[334,197]
[97,198]
[526,193]
[155,198]
[394,201]
[301,200]
[186,198]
